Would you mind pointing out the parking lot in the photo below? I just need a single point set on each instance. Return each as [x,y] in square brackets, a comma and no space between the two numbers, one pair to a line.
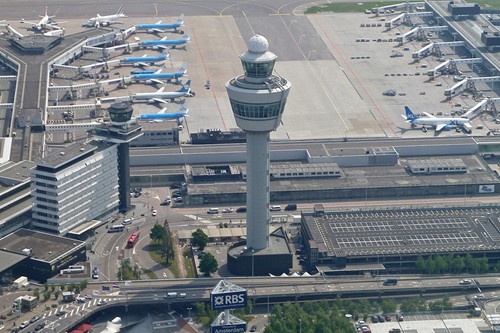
[361,233]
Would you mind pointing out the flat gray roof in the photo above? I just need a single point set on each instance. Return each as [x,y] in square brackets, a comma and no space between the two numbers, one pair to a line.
[373,233]
[370,176]
[59,156]
[45,247]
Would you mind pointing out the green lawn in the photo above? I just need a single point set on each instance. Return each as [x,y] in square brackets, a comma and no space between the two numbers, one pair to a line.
[345,7]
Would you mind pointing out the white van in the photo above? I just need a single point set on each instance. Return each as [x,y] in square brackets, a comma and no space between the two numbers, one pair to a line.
[213,211]
[275,208]
[171,295]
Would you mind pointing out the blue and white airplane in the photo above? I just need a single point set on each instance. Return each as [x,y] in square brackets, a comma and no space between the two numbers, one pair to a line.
[161,96]
[164,43]
[144,60]
[162,115]
[157,77]
[439,123]
[159,27]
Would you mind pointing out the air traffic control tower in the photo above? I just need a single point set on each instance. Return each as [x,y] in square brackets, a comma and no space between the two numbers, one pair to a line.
[258,100]
[121,130]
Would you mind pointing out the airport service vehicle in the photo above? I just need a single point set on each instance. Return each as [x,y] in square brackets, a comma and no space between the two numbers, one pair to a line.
[132,240]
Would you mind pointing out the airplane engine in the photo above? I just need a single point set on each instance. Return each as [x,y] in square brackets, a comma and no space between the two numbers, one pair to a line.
[447,128]
[151,101]
[104,24]
[149,82]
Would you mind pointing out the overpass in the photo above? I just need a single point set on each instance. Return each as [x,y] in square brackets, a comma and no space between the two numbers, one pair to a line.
[263,290]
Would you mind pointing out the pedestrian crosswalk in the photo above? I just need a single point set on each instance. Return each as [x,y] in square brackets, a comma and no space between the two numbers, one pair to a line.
[74,309]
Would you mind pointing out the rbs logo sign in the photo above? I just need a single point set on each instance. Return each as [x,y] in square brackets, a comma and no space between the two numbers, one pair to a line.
[231,300]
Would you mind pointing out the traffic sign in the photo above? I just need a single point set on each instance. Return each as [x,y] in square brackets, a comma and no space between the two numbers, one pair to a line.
[231,328]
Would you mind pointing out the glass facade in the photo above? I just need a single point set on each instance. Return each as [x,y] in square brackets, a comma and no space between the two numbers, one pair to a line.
[258,69]
[258,110]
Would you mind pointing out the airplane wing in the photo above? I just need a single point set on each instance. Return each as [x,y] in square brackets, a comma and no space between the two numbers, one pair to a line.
[158,31]
[142,64]
[163,47]
[440,126]
[164,38]
[157,81]
[159,22]
[160,90]
[162,110]
[158,71]
[429,115]
[28,22]
[159,100]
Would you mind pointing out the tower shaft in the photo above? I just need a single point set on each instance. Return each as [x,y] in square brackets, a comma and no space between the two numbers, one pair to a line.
[257,190]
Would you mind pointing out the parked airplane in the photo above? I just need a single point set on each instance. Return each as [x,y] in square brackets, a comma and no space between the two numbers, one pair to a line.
[439,123]
[144,60]
[157,77]
[161,96]
[159,27]
[164,43]
[106,20]
[45,23]
[160,116]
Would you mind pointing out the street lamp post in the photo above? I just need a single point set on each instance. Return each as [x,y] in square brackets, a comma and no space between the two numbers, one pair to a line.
[189,313]
[252,261]
[300,325]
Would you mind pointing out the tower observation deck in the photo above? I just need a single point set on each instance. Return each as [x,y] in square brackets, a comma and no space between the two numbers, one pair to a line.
[258,99]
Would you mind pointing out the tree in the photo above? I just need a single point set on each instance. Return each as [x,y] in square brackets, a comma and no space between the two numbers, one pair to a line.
[46,286]
[388,306]
[83,284]
[36,293]
[46,296]
[208,264]
[156,233]
[200,239]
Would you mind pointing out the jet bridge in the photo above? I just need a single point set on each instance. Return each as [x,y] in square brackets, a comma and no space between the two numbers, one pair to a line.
[451,66]
[389,25]
[403,38]
[408,6]
[470,113]
[6,105]
[434,48]
[470,83]
[424,31]
[11,31]
[409,16]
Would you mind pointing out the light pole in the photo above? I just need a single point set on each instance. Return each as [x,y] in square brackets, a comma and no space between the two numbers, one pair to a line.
[189,313]
[252,261]
[300,325]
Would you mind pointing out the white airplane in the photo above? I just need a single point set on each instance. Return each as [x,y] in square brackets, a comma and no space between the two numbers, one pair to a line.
[161,96]
[106,20]
[46,22]
[439,123]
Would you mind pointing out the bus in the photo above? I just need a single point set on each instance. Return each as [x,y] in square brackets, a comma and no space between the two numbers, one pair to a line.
[116,228]
[132,240]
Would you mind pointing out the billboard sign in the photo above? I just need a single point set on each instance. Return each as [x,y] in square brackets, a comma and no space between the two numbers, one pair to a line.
[486,188]
[228,300]
[231,328]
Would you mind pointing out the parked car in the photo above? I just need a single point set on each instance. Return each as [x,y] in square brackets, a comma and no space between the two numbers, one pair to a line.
[241,210]
[24,324]
[178,199]
[101,302]
[154,212]
[388,318]
[60,313]
[374,319]
[40,326]
[34,319]
[228,210]
[381,319]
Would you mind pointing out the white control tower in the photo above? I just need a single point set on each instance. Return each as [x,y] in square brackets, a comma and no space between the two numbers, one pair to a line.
[258,100]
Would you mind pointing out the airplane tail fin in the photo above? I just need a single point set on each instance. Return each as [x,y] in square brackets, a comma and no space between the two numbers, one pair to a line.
[121,9]
[409,115]
[180,19]
[46,11]
[186,88]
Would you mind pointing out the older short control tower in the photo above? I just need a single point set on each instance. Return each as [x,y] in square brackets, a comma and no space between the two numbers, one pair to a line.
[258,100]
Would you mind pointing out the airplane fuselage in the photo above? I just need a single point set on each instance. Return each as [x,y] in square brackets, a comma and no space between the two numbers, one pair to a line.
[158,76]
[156,42]
[162,116]
[159,95]
[158,26]
[452,122]
[143,59]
